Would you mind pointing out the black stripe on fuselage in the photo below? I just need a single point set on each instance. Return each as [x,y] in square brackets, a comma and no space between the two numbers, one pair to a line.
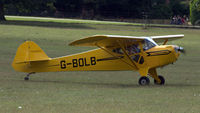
[110,58]
[158,53]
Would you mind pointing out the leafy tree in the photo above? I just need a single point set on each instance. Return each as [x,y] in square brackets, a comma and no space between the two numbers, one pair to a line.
[195,12]
[179,7]
[25,7]
[68,5]
[2,17]
[160,9]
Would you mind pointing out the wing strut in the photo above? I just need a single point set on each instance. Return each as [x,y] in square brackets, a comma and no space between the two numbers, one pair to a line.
[125,52]
[165,42]
[115,56]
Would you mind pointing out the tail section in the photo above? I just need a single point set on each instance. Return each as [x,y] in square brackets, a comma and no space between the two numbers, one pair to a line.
[26,53]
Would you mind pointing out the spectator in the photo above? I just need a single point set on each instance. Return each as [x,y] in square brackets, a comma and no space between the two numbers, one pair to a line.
[186,19]
[173,21]
[178,20]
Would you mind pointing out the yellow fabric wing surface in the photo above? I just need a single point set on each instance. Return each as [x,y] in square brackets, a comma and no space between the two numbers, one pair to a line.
[167,37]
[110,40]
[104,40]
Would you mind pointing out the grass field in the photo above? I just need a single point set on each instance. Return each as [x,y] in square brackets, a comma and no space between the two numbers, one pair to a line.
[94,92]
[59,22]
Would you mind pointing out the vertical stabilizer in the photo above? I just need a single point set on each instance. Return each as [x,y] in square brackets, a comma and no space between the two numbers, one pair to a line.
[26,53]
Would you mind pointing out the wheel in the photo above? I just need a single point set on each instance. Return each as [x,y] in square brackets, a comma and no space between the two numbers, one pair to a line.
[144,81]
[162,80]
[26,78]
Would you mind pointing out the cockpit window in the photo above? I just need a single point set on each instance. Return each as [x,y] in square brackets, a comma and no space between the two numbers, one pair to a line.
[118,50]
[133,49]
[148,44]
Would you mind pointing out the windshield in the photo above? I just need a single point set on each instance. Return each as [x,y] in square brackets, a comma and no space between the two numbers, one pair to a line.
[148,44]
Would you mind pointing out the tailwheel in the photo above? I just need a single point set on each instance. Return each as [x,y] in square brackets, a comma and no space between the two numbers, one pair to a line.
[27,76]
[144,81]
[162,79]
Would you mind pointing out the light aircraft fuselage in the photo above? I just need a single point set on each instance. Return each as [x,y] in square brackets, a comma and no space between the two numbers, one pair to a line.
[142,55]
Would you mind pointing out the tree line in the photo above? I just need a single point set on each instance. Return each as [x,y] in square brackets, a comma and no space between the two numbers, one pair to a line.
[96,9]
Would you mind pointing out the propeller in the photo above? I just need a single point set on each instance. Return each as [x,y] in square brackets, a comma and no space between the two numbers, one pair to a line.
[180,49]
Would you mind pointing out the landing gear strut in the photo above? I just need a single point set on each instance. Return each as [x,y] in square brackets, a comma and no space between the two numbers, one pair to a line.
[27,76]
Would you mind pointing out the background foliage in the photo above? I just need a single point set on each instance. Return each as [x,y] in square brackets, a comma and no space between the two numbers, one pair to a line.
[195,12]
[94,92]
[156,9]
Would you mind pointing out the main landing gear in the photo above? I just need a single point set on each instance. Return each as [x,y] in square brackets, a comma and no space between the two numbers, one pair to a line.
[162,80]
[145,81]
[158,79]
[27,76]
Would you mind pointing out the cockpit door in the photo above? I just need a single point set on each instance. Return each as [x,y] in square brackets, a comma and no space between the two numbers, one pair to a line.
[139,55]
[135,51]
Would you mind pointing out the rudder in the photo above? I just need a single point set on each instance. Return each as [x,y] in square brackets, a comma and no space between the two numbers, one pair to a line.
[26,53]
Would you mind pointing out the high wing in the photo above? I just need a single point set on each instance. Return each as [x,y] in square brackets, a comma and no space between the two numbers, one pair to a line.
[110,40]
[166,37]
[105,40]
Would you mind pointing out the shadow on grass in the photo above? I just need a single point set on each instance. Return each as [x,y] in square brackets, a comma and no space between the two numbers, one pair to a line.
[182,85]
[110,85]
[119,85]
[46,24]
[107,85]
[115,85]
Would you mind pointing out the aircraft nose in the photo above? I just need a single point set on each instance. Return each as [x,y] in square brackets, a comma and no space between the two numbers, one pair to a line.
[179,49]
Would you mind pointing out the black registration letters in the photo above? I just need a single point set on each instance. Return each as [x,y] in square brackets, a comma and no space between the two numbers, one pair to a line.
[83,62]
[63,64]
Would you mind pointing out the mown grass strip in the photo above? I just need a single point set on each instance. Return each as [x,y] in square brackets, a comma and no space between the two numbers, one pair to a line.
[81,21]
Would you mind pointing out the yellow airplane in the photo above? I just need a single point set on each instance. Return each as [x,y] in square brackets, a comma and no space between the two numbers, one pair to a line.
[114,53]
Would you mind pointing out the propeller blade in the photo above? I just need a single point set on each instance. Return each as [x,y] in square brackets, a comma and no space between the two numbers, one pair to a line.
[182,50]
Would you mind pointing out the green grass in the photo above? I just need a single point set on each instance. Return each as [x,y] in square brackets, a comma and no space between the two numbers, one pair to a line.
[94,92]
[60,21]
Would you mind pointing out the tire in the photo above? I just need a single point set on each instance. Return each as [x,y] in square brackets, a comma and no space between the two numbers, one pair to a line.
[144,81]
[162,80]
[26,78]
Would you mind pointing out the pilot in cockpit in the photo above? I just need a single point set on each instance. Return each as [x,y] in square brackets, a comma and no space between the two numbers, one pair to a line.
[133,49]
